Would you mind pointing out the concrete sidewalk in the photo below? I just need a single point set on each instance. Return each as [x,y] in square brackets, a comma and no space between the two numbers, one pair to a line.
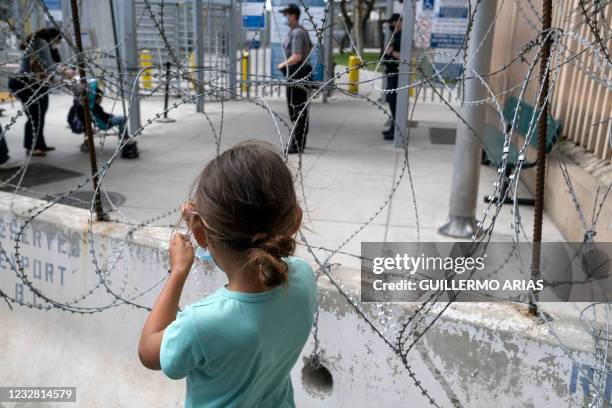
[348,169]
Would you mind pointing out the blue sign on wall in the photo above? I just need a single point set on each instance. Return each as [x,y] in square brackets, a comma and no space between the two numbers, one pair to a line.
[253,22]
[253,15]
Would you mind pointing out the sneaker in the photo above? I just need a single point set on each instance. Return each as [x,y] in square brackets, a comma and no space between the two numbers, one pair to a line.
[84,148]
[130,151]
[10,164]
[48,149]
[389,135]
[36,153]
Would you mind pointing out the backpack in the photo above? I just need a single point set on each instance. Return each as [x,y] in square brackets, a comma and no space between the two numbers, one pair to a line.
[76,118]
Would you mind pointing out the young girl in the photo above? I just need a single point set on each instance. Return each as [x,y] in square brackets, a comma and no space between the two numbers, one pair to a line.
[237,346]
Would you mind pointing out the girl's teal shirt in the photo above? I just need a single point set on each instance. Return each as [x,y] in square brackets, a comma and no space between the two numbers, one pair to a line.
[238,349]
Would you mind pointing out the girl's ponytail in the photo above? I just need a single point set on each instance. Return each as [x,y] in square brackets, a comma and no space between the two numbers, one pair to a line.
[264,258]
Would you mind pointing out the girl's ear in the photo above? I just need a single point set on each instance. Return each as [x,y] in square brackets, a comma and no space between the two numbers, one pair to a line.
[200,236]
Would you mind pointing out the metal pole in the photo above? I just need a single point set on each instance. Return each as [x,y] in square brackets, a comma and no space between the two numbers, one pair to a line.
[198,32]
[468,150]
[66,51]
[264,46]
[232,51]
[387,38]
[187,47]
[36,18]
[542,132]
[128,29]
[166,119]
[327,51]
[18,19]
[401,110]
[85,100]
[357,28]
[118,58]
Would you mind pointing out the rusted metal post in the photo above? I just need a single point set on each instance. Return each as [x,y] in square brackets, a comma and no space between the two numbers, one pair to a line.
[542,132]
[85,100]
[166,119]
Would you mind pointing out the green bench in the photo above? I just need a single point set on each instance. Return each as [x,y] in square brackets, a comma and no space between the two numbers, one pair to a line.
[494,142]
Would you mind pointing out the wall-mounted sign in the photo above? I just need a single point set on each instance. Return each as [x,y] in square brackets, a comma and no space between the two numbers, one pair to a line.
[441,25]
[253,15]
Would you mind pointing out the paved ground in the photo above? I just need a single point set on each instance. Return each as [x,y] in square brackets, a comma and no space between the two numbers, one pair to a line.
[349,170]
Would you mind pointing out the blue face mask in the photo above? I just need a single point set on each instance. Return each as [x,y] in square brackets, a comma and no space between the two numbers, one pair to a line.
[203,254]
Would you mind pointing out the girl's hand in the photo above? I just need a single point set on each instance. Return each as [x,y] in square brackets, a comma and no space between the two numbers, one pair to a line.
[181,254]
[194,223]
[188,214]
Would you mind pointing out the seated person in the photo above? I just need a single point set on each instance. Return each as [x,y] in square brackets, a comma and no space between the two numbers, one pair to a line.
[106,121]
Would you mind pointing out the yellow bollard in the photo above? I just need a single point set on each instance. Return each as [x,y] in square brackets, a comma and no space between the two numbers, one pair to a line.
[146,60]
[245,70]
[353,74]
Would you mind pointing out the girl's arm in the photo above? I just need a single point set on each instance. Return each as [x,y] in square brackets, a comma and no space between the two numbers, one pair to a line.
[164,311]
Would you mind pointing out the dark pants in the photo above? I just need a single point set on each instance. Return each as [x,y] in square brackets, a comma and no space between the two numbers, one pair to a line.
[392,96]
[3,147]
[36,104]
[297,96]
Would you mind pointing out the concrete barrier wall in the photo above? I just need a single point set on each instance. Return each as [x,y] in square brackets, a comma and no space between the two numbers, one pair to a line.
[476,355]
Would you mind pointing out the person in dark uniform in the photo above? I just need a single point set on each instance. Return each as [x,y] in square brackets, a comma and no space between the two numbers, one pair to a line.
[40,61]
[391,63]
[297,70]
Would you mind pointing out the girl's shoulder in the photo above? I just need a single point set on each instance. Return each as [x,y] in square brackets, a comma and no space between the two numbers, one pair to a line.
[297,262]
[301,275]
[299,267]
[208,300]
[212,310]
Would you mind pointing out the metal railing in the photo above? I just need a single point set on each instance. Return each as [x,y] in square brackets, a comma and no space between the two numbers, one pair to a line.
[583,93]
